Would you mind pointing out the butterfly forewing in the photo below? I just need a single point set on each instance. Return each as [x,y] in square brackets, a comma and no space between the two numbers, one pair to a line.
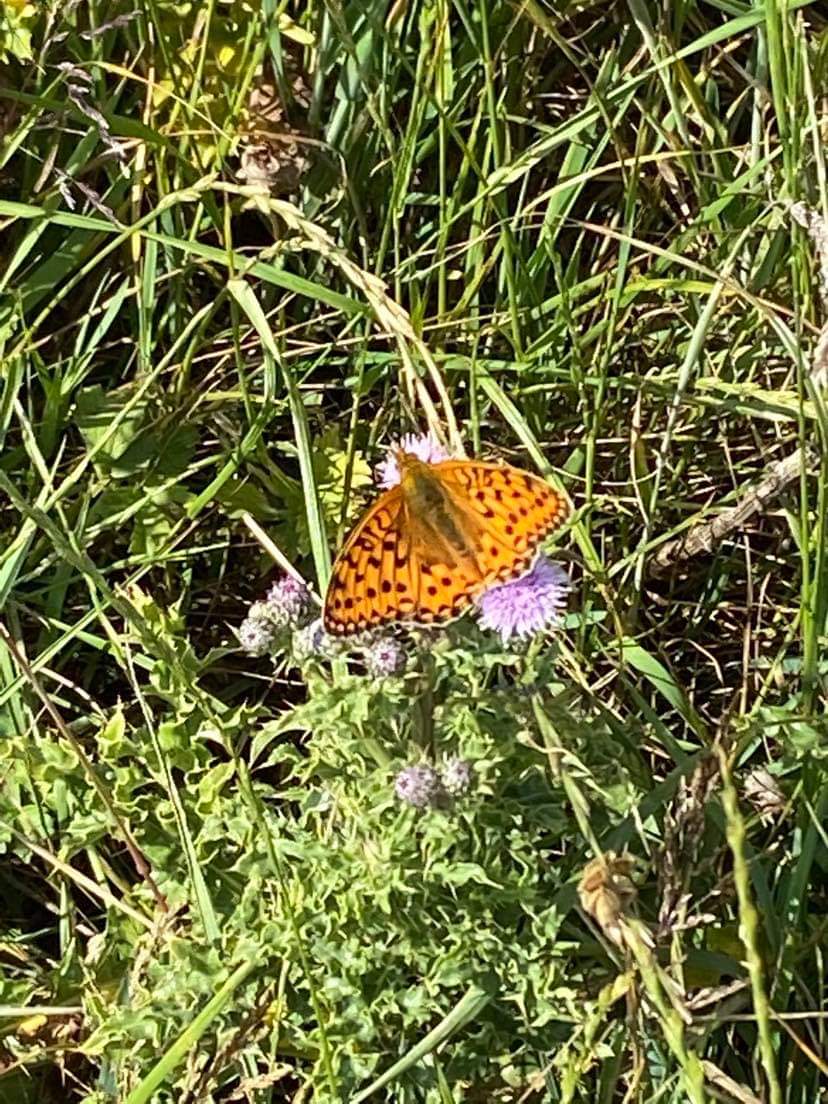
[404,564]
[515,511]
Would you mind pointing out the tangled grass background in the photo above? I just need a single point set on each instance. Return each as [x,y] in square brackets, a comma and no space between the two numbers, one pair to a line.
[245,246]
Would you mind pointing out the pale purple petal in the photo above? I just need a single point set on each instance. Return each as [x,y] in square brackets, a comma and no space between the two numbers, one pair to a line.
[527,605]
[255,633]
[310,640]
[418,786]
[288,602]
[385,657]
[457,776]
[424,446]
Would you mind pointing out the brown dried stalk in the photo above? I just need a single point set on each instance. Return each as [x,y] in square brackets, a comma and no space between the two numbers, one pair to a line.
[683,830]
[707,535]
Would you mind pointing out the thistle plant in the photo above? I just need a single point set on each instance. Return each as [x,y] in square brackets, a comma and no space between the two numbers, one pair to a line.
[248,854]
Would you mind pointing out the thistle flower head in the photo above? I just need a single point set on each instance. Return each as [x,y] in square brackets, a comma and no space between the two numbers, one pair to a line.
[424,446]
[457,776]
[309,640]
[418,785]
[527,605]
[256,631]
[385,657]
[288,602]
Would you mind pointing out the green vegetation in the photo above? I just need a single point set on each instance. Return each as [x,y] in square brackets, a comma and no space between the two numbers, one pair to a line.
[245,247]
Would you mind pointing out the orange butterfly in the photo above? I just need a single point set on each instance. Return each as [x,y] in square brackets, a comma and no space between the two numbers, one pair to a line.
[433,542]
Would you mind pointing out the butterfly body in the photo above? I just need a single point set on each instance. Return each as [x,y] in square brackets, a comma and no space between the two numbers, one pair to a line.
[430,544]
[440,531]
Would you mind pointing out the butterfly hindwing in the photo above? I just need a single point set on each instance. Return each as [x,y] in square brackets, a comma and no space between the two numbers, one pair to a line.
[515,510]
[362,590]
[378,578]
[443,590]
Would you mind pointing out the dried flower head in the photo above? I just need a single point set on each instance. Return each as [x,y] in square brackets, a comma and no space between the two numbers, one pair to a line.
[256,631]
[418,785]
[274,154]
[527,605]
[385,657]
[606,892]
[272,166]
[424,446]
[288,602]
[764,793]
[457,776]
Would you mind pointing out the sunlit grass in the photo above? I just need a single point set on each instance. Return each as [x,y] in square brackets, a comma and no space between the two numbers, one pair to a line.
[559,238]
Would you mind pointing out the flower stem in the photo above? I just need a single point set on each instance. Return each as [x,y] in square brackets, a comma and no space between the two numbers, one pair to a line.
[671,1022]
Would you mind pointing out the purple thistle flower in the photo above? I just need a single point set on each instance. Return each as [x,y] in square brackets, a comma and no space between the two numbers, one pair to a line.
[457,776]
[418,786]
[256,631]
[288,602]
[527,605]
[310,640]
[424,446]
[385,657]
